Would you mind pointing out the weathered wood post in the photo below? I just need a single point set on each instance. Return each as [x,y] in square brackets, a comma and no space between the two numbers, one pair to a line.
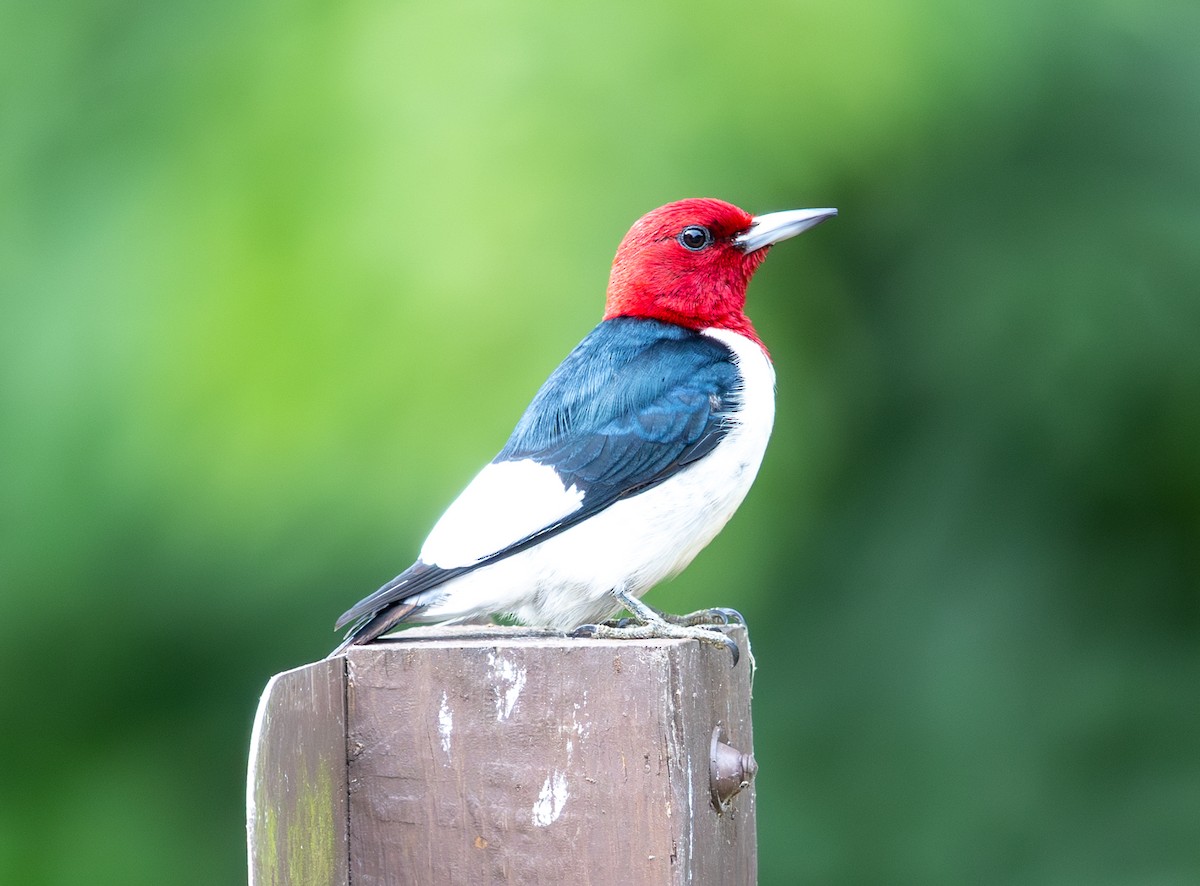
[505,755]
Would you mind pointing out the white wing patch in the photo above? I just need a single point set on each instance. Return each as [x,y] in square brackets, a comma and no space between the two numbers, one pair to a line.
[504,503]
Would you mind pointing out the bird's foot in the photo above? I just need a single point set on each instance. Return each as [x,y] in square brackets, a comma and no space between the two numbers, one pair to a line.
[636,629]
[717,616]
[626,622]
[648,623]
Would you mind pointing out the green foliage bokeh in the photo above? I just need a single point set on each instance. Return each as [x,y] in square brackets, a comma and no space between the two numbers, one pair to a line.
[276,279]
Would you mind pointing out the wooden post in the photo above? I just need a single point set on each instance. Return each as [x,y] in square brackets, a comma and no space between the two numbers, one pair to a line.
[296,793]
[505,755]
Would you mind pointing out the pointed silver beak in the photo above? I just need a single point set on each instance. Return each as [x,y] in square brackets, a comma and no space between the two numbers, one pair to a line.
[776,226]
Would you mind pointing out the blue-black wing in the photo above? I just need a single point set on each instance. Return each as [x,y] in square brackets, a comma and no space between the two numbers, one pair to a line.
[636,401]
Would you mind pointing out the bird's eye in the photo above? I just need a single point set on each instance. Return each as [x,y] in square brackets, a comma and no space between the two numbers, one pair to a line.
[695,238]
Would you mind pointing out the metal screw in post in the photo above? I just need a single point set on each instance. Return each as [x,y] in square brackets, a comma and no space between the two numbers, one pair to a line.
[729,770]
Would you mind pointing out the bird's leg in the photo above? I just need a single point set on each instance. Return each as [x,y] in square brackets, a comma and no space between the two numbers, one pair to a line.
[648,623]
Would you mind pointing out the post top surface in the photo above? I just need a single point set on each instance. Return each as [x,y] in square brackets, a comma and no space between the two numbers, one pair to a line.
[485,636]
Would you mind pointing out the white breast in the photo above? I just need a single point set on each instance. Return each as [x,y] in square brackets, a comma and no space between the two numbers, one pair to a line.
[637,542]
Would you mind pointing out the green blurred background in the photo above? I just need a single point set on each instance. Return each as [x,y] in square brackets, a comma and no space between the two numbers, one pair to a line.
[277,278]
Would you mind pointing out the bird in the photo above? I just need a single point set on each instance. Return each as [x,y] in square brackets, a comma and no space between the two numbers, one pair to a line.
[629,460]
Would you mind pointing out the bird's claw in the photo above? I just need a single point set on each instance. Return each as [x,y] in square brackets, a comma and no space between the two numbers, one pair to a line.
[728,642]
[730,616]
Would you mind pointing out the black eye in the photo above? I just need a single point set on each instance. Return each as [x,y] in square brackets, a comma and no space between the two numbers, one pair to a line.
[695,238]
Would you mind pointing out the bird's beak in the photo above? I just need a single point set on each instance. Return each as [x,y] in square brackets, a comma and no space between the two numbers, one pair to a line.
[776,226]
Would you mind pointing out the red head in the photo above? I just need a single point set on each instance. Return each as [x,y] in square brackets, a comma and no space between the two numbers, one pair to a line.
[689,262]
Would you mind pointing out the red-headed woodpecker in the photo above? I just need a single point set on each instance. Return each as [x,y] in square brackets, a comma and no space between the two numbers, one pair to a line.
[630,459]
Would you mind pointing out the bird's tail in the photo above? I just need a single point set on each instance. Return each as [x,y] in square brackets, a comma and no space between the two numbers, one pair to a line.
[376,624]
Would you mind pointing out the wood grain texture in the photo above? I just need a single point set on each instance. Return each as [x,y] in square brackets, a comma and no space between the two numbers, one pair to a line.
[499,755]
[296,791]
